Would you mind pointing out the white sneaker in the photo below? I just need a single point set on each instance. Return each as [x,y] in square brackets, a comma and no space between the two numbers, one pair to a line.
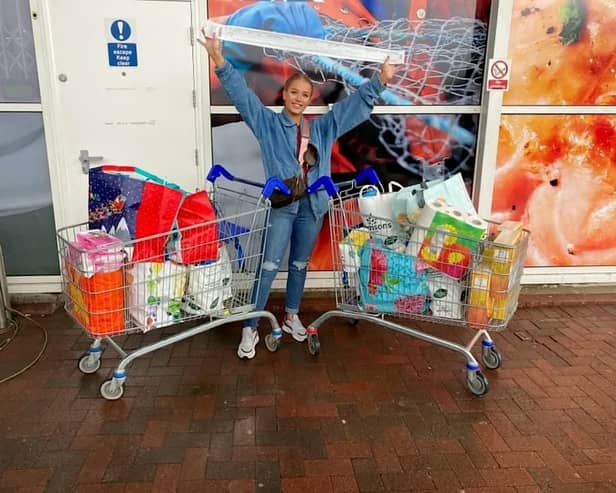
[295,327]
[250,338]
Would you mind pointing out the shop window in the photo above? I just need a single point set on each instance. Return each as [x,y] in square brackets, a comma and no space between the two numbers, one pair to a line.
[407,149]
[18,75]
[26,214]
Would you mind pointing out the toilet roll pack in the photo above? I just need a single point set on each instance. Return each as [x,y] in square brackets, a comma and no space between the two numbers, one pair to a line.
[445,238]
[445,295]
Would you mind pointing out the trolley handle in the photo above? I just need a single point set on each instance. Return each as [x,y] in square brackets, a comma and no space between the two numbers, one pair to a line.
[268,188]
[272,184]
[327,183]
[366,175]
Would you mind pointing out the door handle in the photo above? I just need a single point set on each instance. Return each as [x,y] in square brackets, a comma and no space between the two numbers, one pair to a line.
[86,160]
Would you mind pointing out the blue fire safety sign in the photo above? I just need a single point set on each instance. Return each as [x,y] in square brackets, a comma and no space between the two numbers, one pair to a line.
[121,53]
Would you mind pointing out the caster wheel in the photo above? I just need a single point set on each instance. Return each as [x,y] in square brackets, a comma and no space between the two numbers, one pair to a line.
[88,364]
[477,383]
[112,390]
[272,343]
[491,358]
[314,346]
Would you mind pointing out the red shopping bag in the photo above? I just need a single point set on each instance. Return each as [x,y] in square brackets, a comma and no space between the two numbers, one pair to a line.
[154,221]
[198,231]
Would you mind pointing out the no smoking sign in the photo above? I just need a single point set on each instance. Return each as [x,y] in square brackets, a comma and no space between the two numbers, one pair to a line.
[499,71]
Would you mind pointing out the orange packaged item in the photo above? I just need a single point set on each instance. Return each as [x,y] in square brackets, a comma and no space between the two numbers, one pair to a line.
[502,303]
[479,300]
[501,257]
[97,302]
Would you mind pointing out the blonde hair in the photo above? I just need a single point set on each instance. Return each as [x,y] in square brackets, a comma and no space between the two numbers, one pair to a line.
[298,76]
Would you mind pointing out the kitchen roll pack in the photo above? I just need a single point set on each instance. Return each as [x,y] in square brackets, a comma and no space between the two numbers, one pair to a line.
[445,237]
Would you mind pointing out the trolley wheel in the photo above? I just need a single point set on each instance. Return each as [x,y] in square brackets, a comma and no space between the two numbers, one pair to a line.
[112,390]
[314,346]
[491,358]
[477,383]
[272,343]
[88,364]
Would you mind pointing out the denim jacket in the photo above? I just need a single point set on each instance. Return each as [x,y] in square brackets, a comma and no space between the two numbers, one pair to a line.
[277,133]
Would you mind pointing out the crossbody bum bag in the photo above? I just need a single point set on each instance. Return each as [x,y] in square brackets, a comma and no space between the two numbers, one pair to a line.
[297,184]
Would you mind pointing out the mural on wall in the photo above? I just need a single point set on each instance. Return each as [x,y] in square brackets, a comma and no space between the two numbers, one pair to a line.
[557,173]
[562,53]
[444,42]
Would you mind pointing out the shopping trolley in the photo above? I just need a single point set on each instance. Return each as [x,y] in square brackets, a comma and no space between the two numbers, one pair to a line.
[110,294]
[386,280]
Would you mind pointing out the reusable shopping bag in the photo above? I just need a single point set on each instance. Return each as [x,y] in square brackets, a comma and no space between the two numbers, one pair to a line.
[197,235]
[155,219]
[389,281]
[113,201]
[133,204]
[376,210]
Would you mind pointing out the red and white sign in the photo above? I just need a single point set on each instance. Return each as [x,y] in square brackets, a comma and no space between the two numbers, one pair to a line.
[499,71]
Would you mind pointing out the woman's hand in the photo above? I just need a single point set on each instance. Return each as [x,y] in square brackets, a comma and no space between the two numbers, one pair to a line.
[387,71]
[213,47]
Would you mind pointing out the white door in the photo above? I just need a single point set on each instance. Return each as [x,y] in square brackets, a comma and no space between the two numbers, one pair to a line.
[123,78]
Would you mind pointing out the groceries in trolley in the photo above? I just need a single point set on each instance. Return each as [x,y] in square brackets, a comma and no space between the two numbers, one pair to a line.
[153,255]
[146,260]
[495,281]
[445,238]
[438,263]
[350,247]
[95,251]
[209,285]
[389,280]
[93,280]
[437,260]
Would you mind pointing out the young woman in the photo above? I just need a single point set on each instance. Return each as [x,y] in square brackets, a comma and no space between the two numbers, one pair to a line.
[281,137]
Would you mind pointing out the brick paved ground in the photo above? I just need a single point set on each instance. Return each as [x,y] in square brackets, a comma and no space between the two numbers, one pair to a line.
[377,411]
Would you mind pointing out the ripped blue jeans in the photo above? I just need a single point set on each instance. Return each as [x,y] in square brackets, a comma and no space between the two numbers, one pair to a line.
[293,225]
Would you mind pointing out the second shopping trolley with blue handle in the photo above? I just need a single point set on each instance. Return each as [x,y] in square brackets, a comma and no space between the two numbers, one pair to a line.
[386,278]
[111,292]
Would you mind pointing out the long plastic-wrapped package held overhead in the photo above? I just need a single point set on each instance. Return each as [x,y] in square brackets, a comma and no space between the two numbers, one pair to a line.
[302,44]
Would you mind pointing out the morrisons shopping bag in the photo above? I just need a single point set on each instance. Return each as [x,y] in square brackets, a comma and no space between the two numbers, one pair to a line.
[375,208]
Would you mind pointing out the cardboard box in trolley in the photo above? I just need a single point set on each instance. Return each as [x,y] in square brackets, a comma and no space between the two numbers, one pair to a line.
[501,256]
[502,252]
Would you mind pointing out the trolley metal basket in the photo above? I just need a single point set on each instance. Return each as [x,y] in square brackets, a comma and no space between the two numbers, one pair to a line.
[382,280]
[108,294]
